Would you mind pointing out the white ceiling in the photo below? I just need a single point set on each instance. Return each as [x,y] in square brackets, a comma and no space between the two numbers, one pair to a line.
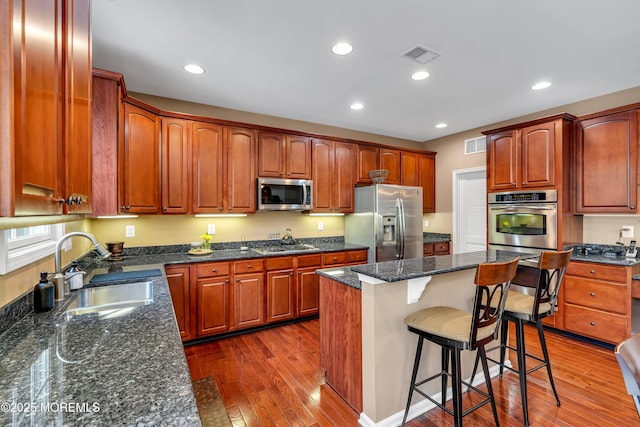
[273,57]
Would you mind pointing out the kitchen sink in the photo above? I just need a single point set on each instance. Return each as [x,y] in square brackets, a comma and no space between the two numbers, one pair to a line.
[284,249]
[110,300]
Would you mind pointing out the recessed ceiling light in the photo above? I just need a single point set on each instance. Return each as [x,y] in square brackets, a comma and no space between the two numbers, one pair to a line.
[341,48]
[357,106]
[441,125]
[541,85]
[193,69]
[420,75]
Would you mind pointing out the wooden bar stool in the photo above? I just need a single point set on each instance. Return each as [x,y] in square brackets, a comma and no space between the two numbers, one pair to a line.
[455,330]
[521,308]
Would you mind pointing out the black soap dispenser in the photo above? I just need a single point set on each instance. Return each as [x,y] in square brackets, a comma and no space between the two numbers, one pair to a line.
[43,294]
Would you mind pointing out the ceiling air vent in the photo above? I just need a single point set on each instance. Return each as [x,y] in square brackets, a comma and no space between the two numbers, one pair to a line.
[421,54]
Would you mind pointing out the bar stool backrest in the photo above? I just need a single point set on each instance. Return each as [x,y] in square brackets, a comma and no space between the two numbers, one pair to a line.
[493,281]
[628,356]
[552,266]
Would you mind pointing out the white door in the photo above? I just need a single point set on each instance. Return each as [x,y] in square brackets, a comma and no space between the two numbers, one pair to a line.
[469,210]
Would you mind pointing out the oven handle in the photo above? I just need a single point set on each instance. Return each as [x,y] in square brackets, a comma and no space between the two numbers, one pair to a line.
[505,207]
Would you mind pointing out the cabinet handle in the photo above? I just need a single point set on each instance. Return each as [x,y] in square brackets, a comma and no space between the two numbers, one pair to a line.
[164,209]
[125,208]
[593,294]
[291,274]
[592,323]
[632,207]
[220,208]
[237,280]
[335,258]
[592,272]
[249,266]
[213,270]
[226,281]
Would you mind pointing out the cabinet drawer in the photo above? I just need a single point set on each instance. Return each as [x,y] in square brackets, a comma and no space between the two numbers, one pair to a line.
[596,294]
[314,260]
[334,258]
[279,263]
[597,271]
[597,324]
[249,266]
[357,256]
[441,247]
[212,269]
[427,249]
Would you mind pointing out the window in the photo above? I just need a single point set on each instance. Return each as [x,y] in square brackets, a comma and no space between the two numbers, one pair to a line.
[23,246]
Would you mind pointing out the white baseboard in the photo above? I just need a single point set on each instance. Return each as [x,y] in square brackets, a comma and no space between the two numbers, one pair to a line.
[424,405]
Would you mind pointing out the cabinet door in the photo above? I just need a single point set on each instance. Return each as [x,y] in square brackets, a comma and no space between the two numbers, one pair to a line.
[280,288]
[390,160]
[78,154]
[502,160]
[368,159]
[410,168]
[179,287]
[206,167]
[271,155]
[343,173]
[175,166]
[248,300]
[322,176]
[37,110]
[241,170]
[212,305]
[606,164]
[428,182]
[139,162]
[538,154]
[298,157]
[308,292]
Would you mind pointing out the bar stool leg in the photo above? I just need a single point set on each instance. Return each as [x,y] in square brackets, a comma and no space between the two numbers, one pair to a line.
[504,332]
[414,375]
[543,344]
[487,379]
[522,367]
[456,386]
[445,378]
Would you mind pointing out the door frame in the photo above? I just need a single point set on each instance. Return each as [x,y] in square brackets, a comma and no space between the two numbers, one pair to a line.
[456,177]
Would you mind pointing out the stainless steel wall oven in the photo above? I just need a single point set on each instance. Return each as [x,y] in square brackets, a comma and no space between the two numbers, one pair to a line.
[523,220]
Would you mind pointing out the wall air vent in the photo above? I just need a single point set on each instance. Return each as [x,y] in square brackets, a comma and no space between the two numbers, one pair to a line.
[421,54]
[475,145]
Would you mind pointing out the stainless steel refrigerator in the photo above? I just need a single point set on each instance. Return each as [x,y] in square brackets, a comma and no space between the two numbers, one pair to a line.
[388,219]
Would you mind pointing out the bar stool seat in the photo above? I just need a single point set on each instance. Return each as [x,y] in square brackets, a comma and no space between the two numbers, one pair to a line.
[520,308]
[455,330]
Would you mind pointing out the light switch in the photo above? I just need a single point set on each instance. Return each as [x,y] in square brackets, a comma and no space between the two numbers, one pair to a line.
[130,231]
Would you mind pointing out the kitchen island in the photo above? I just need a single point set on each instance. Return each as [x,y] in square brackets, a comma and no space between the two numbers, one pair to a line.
[365,348]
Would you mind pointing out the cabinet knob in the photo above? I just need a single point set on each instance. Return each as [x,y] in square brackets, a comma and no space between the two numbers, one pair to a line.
[592,271]
[593,294]
[291,274]
[592,323]
[633,208]
[213,270]
[164,209]
[220,208]
[125,208]
[226,281]
[237,280]
[335,258]
[249,266]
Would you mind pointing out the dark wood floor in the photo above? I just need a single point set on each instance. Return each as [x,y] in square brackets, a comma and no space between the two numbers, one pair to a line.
[272,378]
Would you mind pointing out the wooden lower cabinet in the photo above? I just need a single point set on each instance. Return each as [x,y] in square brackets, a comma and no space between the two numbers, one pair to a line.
[180,290]
[439,248]
[597,301]
[212,298]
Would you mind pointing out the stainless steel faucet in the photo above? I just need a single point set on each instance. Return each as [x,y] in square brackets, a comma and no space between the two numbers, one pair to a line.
[59,279]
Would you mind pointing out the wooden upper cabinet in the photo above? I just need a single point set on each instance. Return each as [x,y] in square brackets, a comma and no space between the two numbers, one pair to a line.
[368,159]
[502,160]
[538,154]
[606,158]
[176,166]
[139,160]
[33,184]
[333,176]
[410,168]
[428,182]
[284,156]
[206,168]
[78,132]
[240,148]
[391,161]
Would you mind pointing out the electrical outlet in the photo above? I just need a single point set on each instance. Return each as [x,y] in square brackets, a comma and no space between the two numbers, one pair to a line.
[211,229]
[627,231]
[273,236]
[130,231]
[320,225]
[426,223]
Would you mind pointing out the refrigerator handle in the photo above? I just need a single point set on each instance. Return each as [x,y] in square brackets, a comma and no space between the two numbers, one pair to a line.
[402,228]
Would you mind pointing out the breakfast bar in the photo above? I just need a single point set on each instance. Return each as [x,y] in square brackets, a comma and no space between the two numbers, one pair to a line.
[366,350]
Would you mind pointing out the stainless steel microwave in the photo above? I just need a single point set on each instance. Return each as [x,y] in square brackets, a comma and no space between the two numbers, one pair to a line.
[278,194]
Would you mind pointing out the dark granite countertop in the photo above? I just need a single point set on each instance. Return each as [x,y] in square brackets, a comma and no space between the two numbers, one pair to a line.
[343,275]
[602,254]
[435,237]
[395,271]
[88,370]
